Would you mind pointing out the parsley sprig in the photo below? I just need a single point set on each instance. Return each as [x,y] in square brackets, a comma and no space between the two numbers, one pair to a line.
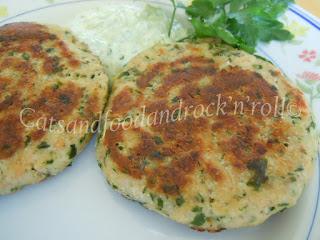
[240,23]
[172,17]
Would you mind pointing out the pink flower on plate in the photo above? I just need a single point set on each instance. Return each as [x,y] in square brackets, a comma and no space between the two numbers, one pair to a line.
[311,76]
[308,56]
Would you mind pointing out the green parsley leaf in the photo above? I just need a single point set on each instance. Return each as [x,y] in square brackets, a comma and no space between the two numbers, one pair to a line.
[240,23]
[197,209]
[50,161]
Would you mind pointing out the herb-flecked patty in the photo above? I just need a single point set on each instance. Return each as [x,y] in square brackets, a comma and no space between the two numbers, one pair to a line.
[50,86]
[209,171]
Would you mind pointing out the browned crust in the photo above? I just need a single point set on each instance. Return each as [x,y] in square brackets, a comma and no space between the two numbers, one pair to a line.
[22,45]
[184,142]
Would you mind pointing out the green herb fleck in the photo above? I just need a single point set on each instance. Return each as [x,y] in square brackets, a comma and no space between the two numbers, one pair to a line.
[43,145]
[158,140]
[11,53]
[176,114]
[55,62]
[57,85]
[126,73]
[283,205]
[295,119]
[107,153]
[99,164]
[259,167]
[219,218]
[175,99]
[83,138]
[311,126]
[180,201]
[152,196]
[293,179]
[257,66]
[283,209]
[199,219]
[26,56]
[299,169]
[49,50]
[50,161]
[274,88]
[73,151]
[160,203]
[27,141]
[15,189]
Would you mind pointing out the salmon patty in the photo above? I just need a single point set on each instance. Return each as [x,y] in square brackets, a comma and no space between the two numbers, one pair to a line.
[49,84]
[207,135]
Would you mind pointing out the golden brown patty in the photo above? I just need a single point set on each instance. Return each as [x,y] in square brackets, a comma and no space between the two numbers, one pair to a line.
[176,142]
[49,84]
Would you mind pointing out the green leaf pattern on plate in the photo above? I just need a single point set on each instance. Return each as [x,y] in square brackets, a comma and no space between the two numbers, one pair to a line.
[309,83]
[3,11]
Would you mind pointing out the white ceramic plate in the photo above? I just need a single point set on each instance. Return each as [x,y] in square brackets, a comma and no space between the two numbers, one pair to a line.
[78,204]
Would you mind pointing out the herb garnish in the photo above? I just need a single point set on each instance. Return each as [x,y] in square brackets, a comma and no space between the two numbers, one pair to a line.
[26,56]
[240,23]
